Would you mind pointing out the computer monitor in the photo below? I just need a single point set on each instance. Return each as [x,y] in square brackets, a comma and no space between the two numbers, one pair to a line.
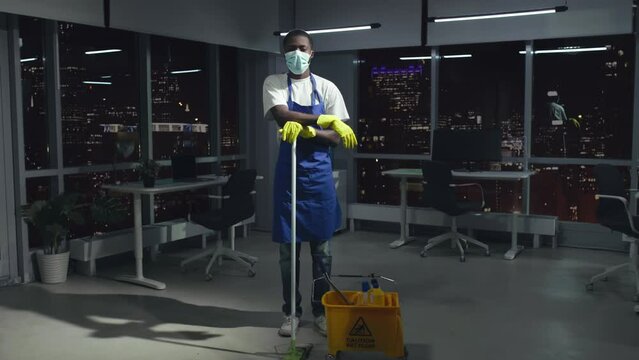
[184,167]
[467,147]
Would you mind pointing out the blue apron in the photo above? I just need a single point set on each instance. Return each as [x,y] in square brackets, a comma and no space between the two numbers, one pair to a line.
[318,212]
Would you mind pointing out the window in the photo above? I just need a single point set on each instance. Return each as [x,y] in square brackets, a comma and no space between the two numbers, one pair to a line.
[583,101]
[375,188]
[88,185]
[36,144]
[38,188]
[482,87]
[566,191]
[229,105]
[99,91]
[394,102]
[179,86]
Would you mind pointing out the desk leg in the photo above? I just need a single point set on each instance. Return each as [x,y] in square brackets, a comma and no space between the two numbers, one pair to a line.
[139,278]
[403,236]
[515,249]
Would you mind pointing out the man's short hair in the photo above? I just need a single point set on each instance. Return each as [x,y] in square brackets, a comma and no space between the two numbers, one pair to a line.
[297,32]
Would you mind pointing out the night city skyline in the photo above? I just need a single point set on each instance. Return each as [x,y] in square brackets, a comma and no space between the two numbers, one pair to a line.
[99,103]
[567,191]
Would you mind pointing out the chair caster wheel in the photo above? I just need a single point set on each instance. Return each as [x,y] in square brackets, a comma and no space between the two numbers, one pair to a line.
[462,259]
[422,253]
[590,287]
[208,277]
[251,273]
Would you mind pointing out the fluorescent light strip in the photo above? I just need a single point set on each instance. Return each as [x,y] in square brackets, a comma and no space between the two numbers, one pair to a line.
[497,16]
[415,58]
[565,51]
[97,82]
[28,59]
[105,51]
[457,56]
[186,71]
[105,76]
[334,30]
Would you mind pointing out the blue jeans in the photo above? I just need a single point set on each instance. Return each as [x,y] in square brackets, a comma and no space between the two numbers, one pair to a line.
[321,253]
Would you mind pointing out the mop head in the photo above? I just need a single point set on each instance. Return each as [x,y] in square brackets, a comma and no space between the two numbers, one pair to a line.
[298,351]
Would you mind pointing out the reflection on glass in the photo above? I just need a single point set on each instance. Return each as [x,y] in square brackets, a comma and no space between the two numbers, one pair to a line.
[484,90]
[37,189]
[179,89]
[229,167]
[89,185]
[229,106]
[394,102]
[36,143]
[99,92]
[566,191]
[375,188]
[583,101]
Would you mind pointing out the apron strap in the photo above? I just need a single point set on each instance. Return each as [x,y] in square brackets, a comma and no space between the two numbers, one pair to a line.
[315,96]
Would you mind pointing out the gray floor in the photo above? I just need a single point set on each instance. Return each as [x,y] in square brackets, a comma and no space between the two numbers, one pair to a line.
[487,308]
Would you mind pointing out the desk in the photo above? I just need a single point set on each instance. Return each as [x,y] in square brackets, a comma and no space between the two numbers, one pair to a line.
[405,174]
[161,186]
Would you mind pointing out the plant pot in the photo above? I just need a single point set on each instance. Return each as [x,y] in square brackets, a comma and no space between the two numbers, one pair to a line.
[53,268]
[148,181]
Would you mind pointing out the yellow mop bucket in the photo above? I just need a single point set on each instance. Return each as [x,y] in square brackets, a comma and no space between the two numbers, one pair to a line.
[363,328]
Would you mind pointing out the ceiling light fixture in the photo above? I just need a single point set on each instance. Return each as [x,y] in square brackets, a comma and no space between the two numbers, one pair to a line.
[500,15]
[569,50]
[185,71]
[96,82]
[334,30]
[28,59]
[455,56]
[105,51]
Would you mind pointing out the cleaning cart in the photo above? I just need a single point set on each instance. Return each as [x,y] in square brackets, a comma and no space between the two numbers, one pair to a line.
[356,326]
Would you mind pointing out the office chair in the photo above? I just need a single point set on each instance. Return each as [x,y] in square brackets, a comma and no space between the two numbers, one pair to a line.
[237,206]
[613,213]
[439,194]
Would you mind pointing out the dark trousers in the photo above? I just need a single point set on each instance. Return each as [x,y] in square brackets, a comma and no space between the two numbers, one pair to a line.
[321,253]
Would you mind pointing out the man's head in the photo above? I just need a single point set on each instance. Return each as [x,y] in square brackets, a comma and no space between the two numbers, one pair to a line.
[297,40]
[297,47]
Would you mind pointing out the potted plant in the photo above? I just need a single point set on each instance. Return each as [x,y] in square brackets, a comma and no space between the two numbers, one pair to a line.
[52,218]
[148,170]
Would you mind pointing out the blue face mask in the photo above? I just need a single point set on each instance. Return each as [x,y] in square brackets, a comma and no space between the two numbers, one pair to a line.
[297,61]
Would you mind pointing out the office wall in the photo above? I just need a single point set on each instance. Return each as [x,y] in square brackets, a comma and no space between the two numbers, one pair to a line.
[583,18]
[88,12]
[247,24]
[400,19]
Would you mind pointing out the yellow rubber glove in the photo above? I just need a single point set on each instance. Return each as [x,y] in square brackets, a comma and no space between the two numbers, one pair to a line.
[308,132]
[344,131]
[290,131]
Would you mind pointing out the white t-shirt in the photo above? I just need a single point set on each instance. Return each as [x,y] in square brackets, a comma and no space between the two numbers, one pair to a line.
[275,92]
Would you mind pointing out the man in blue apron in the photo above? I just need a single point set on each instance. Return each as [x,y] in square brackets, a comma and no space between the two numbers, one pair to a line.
[310,109]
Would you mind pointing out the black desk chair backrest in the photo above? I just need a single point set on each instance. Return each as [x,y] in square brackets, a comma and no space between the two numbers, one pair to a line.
[238,201]
[437,192]
[611,213]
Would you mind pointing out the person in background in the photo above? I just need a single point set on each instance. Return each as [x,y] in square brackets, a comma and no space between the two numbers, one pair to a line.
[311,110]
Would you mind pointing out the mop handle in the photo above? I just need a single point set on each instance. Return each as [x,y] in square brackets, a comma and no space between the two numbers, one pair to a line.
[293,235]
